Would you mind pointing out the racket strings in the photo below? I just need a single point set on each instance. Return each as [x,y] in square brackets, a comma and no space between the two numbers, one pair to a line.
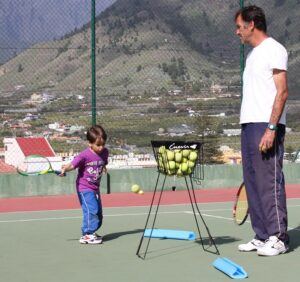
[34,165]
[241,209]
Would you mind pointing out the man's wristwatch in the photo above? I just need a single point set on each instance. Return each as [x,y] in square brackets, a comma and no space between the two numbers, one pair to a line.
[272,126]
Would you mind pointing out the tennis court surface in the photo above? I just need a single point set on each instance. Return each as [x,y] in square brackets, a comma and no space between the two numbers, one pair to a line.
[39,240]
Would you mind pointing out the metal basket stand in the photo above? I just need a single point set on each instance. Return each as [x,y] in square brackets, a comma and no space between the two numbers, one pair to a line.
[196,174]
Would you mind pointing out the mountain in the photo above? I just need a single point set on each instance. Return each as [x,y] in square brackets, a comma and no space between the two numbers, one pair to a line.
[26,22]
[148,46]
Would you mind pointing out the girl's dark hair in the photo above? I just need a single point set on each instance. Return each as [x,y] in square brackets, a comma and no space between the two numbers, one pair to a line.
[96,132]
[255,14]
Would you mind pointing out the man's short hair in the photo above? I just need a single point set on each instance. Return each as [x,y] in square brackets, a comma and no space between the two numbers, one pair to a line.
[255,14]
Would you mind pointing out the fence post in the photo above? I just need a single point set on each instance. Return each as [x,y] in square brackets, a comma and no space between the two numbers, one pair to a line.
[242,56]
[108,183]
[93,60]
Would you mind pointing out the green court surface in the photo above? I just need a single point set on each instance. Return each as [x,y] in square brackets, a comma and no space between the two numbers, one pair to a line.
[43,247]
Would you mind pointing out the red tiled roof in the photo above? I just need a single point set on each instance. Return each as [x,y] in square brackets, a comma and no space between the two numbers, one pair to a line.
[35,146]
[5,168]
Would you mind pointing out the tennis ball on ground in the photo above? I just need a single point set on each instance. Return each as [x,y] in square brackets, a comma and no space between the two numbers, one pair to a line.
[135,188]
[141,192]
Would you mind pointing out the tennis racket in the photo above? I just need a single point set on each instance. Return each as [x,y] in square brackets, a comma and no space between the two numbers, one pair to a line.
[240,208]
[35,165]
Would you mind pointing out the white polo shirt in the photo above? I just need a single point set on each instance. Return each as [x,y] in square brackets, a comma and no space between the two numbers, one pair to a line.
[259,89]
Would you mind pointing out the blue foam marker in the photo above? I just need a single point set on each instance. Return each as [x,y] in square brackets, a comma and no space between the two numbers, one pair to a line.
[170,234]
[230,268]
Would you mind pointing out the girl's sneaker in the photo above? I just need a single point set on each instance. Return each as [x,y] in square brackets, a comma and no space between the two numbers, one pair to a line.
[98,236]
[90,239]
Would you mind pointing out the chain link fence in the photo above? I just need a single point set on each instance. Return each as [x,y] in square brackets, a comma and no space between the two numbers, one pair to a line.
[165,70]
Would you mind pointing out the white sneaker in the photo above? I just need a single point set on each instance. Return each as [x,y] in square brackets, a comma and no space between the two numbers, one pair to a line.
[90,239]
[273,247]
[253,245]
[98,236]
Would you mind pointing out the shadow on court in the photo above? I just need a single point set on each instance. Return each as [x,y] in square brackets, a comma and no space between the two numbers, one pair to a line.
[183,245]
[113,236]
[294,238]
[219,240]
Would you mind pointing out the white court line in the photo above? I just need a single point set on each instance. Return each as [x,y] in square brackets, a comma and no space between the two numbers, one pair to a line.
[38,219]
[107,208]
[105,215]
[79,217]
[129,214]
[147,206]
[231,219]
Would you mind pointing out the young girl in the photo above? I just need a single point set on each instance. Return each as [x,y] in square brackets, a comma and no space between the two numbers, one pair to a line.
[91,163]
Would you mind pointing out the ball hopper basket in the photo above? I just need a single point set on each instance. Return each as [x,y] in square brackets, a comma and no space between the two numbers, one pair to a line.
[179,158]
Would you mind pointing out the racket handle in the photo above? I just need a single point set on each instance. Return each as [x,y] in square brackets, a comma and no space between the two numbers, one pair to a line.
[58,172]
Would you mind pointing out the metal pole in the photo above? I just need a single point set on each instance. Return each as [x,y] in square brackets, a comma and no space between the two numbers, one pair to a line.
[242,56]
[93,59]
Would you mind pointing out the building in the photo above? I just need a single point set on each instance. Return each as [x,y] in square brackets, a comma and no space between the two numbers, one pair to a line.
[232,132]
[16,149]
[5,168]
[36,98]
[230,156]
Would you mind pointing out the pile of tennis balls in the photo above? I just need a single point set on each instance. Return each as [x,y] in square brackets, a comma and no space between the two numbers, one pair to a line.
[176,162]
[135,188]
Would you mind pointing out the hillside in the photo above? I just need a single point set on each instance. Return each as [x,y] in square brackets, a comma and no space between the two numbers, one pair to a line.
[144,46]
[24,22]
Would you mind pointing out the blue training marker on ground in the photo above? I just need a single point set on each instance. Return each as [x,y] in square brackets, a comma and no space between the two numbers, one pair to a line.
[230,268]
[170,234]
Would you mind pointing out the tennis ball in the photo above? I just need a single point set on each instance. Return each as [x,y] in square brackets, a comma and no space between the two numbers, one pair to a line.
[135,188]
[141,192]
[162,149]
[178,157]
[184,160]
[191,164]
[185,153]
[184,167]
[193,156]
[171,171]
[170,155]
[172,165]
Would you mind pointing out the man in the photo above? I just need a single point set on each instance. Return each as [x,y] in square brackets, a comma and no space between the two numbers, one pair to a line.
[263,120]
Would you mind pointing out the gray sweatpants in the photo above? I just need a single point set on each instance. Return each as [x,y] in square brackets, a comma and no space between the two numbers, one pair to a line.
[264,182]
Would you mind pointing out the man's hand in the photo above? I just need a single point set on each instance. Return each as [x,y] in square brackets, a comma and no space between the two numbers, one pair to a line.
[267,140]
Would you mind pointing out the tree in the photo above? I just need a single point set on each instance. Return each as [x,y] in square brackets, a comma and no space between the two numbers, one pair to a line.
[20,68]
[279,3]
[207,127]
